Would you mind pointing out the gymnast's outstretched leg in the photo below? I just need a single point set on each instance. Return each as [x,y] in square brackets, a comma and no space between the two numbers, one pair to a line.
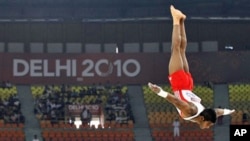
[177,60]
[183,45]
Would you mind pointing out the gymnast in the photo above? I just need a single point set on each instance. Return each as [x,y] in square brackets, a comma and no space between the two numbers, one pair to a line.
[186,102]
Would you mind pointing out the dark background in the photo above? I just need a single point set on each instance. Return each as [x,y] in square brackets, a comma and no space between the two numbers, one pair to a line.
[226,32]
[96,9]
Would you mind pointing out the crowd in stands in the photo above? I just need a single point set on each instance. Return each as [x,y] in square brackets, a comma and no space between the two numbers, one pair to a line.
[10,111]
[51,104]
[6,84]
[117,107]
[10,106]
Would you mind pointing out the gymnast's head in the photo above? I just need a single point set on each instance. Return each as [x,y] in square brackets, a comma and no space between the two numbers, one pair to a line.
[207,118]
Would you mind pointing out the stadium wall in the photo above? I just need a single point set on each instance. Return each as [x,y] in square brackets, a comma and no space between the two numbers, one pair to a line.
[226,32]
[132,68]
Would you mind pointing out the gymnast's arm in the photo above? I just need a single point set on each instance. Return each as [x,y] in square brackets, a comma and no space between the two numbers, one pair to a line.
[183,106]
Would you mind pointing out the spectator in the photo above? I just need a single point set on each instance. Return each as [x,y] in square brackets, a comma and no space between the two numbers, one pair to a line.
[6,118]
[71,120]
[74,94]
[100,87]
[85,116]
[3,85]
[82,93]
[8,84]
[110,115]
[35,138]
[98,99]
[176,125]
[13,117]
[122,116]
[53,116]
[63,88]
[244,118]
[21,118]
[107,85]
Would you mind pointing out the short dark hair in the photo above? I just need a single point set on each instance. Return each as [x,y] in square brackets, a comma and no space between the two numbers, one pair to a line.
[209,114]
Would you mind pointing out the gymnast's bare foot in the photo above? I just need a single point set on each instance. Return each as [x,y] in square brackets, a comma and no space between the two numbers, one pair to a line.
[177,15]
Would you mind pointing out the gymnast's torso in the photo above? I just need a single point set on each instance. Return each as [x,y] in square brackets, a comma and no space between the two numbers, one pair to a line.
[190,97]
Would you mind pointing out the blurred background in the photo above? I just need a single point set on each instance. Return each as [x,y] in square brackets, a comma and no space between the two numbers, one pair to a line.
[77,70]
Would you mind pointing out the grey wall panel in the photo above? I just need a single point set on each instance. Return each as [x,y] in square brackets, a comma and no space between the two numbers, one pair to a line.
[55,48]
[37,47]
[15,47]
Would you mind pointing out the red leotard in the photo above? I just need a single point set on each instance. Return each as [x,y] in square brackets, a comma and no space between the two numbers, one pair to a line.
[181,80]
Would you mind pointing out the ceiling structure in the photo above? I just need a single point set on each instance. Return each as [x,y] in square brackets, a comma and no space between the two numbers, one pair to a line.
[114,9]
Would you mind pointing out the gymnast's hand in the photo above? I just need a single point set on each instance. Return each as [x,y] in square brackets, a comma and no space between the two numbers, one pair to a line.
[221,112]
[155,88]
[228,111]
